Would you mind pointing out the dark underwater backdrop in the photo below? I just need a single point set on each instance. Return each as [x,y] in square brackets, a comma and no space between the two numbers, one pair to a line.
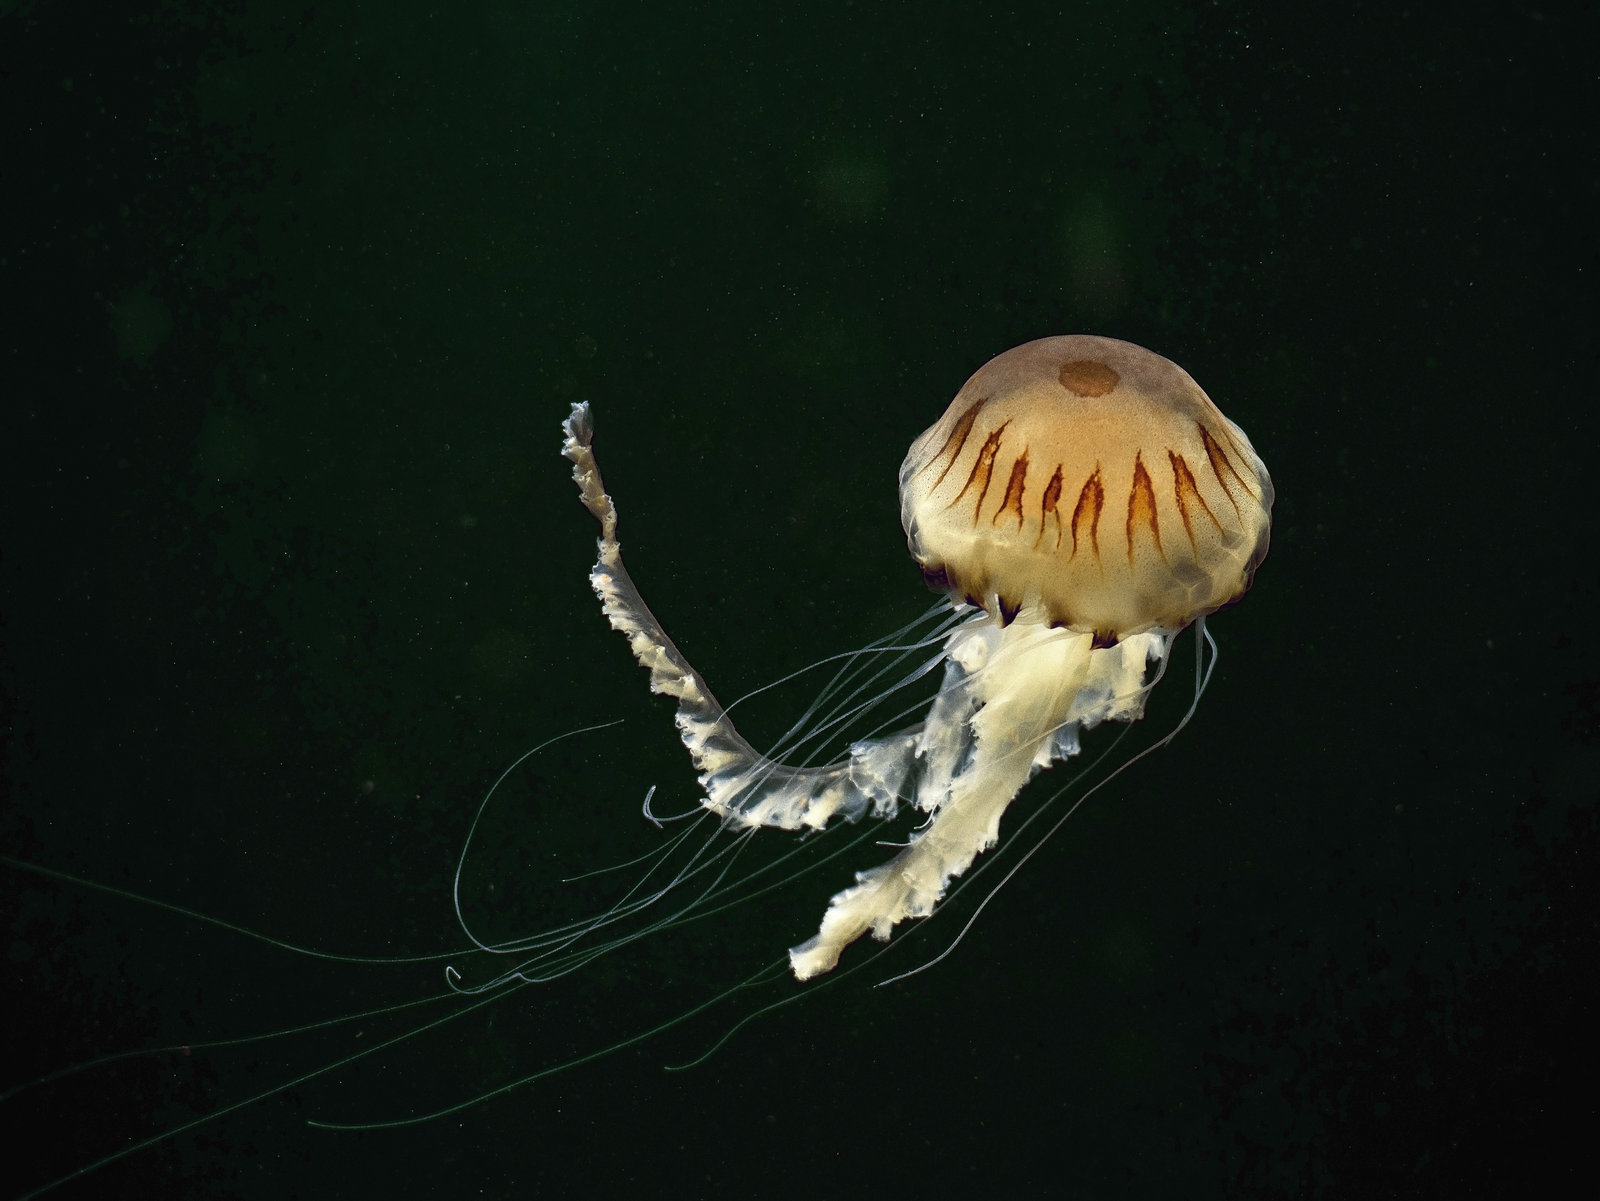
[296,298]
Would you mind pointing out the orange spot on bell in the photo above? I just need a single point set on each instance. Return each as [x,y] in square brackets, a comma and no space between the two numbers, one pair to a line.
[1088,377]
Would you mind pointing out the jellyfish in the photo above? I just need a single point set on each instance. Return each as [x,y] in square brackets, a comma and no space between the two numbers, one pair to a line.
[1081,502]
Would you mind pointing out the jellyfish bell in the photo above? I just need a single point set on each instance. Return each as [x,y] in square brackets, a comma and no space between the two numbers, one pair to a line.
[1091,481]
[1087,501]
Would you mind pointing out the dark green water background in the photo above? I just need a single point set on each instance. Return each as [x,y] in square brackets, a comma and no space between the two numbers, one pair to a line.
[296,297]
